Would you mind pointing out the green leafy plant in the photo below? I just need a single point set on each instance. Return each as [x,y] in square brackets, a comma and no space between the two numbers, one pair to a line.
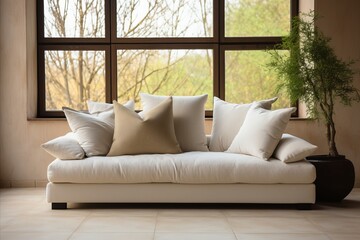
[313,73]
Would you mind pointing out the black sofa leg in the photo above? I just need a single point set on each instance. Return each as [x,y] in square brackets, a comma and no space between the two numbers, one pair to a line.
[58,206]
[304,206]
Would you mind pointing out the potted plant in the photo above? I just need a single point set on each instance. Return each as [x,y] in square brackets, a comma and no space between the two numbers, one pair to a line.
[314,74]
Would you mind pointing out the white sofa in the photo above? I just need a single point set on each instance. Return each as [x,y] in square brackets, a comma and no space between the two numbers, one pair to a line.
[191,177]
[116,170]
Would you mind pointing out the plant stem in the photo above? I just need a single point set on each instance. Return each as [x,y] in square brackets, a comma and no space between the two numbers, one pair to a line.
[331,132]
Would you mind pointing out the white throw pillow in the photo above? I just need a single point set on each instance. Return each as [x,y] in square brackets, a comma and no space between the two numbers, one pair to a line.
[293,149]
[96,108]
[106,110]
[94,133]
[189,119]
[261,131]
[227,120]
[64,147]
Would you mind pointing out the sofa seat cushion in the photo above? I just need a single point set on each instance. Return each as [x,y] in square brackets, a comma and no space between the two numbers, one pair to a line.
[189,167]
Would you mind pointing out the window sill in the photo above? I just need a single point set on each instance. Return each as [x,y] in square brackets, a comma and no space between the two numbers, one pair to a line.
[35,119]
[301,119]
[206,119]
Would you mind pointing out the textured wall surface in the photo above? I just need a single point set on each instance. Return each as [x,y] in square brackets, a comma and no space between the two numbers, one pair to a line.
[22,161]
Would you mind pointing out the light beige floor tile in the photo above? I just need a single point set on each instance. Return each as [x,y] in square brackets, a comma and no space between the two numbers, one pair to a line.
[124,212]
[44,209]
[25,214]
[9,194]
[190,213]
[43,224]
[337,224]
[355,192]
[271,225]
[330,212]
[118,224]
[112,236]
[350,207]
[5,220]
[9,209]
[192,224]
[34,236]
[343,236]
[282,236]
[194,236]
[262,213]
[22,199]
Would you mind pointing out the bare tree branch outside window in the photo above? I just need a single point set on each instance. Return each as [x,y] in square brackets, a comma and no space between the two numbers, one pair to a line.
[159,61]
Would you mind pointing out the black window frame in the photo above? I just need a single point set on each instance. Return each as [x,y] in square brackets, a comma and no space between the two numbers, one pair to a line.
[110,44]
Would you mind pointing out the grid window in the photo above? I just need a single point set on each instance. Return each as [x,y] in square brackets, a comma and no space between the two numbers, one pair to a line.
[107,50]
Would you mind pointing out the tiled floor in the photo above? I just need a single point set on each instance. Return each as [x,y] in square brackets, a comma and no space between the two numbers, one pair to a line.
[24,214]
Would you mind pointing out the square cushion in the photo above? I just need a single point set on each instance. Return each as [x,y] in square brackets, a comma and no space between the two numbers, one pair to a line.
[103,109]
[99,107]
[261,131]
[189,119]
[154,133]
[227,120]
[64,147]
[94,131]
[293,149]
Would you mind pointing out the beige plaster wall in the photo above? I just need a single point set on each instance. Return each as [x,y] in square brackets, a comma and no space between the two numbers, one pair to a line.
[23,163]
[341,22]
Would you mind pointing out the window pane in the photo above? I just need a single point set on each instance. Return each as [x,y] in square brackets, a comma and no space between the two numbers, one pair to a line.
[251,18]
[164,72]
[165,18]
[72,77]
[74,19]
[248,79]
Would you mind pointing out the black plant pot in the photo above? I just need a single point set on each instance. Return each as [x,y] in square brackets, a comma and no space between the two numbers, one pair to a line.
[335,177]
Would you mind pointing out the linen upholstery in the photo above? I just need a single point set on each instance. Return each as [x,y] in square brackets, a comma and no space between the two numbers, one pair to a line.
[93,133]
[64,147]
[94,130]
[188,167]
[180,193]
[261,131]
[227,120]
[292,149]
[189,119]
[154,133]
[101,108]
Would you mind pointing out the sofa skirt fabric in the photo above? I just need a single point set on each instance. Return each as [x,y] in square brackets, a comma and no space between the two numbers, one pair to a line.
[181,193]
[187,168]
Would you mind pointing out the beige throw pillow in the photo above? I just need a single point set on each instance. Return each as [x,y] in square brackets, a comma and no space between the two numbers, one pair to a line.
[154,133]
[227,120]
[189,119]
[261,131]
